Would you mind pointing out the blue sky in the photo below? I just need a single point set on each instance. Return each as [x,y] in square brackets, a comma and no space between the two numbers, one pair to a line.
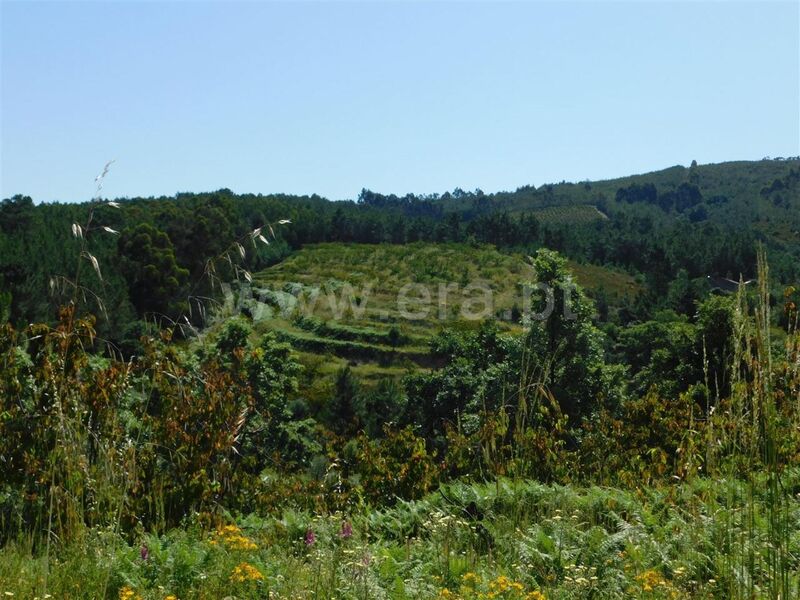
[330,97]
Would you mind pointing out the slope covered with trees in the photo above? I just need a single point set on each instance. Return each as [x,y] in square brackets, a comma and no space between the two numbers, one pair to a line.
[161,437]
[666,226]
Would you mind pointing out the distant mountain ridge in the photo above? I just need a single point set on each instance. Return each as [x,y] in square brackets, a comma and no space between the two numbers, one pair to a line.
[676,224]
[754,192]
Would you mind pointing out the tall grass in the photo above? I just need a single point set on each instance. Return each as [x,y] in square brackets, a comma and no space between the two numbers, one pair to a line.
[80,458]
[744,453]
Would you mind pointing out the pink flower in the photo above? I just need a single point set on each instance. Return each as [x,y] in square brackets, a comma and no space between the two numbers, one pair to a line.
[347,530]
[310,537]
[144,552]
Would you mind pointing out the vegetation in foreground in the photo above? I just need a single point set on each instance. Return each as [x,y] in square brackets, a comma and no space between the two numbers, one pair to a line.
[648,449]
[185,473]
[508,539]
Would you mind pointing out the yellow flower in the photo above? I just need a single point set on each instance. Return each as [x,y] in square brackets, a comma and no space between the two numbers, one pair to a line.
[650,580]
[471,579]
[126,593]
[501,584]
[245,572]
[170,597]
[535,595]
[231,536]
[506,587]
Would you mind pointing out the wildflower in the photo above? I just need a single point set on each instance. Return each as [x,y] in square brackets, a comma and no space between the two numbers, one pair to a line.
[310,537]
[501,584]
[650,580]
[126,593]
[347,530]
[171,597]
[535,595]
[232,537]
[470,579]
[245,572]
[144,552]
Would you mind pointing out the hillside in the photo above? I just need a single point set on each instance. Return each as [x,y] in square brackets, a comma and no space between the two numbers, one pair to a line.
[679,222]
[343,303]
[289,397]
[240,361]
[704,220]
[736,185]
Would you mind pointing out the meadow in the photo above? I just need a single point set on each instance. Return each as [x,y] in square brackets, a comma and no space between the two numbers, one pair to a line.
[507,539]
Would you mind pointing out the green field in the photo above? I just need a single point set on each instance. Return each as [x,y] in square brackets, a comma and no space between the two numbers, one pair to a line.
[306,300]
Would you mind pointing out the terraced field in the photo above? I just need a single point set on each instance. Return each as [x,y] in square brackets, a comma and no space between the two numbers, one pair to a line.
[584,213]
[376,307]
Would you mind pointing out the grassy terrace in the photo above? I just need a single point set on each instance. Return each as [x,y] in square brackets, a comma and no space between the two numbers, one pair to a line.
[338,303]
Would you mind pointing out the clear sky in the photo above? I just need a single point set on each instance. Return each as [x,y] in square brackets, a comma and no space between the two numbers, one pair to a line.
[330,97]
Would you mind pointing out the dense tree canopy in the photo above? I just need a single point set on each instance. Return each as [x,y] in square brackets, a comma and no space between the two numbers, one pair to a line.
[147,261]
[673,228]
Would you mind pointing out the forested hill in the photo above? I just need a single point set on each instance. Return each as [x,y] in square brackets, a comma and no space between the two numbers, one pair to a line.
[671,228]
[725,192]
